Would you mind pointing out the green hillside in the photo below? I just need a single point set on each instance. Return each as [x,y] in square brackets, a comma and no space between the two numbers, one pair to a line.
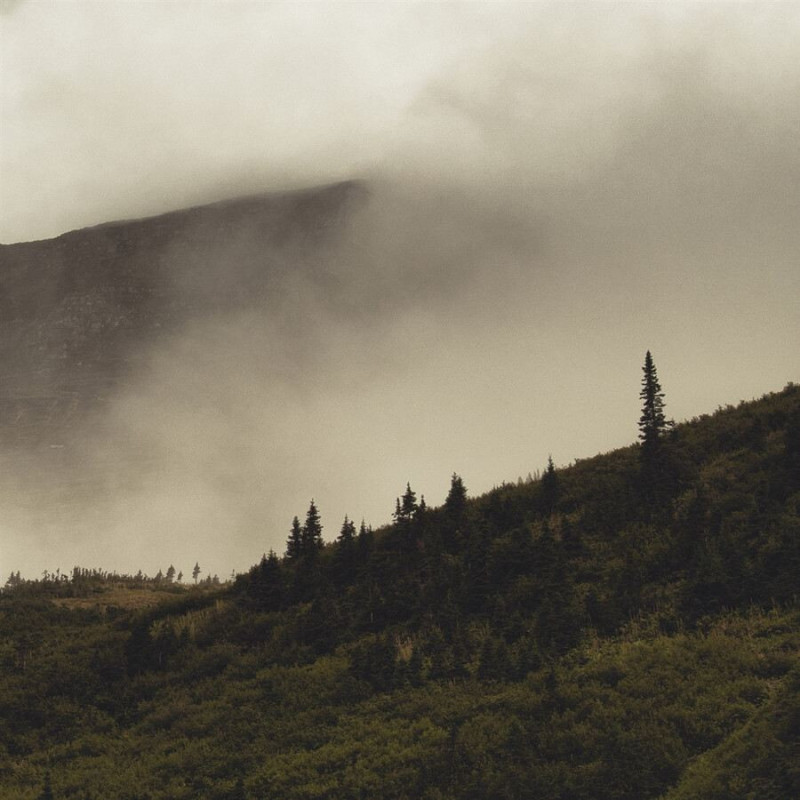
[626,627]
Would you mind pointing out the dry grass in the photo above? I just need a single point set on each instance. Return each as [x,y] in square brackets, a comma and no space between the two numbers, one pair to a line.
[119,597]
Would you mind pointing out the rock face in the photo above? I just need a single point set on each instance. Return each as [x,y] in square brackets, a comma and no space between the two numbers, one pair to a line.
[80,312]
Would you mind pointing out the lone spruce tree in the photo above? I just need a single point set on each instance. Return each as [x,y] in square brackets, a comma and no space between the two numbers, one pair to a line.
[653,424]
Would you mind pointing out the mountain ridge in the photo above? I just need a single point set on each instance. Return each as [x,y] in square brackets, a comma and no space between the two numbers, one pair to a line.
[79,310]
[252,198]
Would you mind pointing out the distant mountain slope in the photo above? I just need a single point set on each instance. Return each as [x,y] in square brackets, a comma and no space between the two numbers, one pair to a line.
[79,311]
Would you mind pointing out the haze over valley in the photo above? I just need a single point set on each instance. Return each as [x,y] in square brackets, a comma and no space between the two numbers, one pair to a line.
[433,239]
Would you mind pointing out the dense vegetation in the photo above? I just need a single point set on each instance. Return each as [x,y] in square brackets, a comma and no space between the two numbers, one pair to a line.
[626,627]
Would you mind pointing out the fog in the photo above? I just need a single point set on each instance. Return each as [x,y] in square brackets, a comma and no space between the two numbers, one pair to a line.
[552,190]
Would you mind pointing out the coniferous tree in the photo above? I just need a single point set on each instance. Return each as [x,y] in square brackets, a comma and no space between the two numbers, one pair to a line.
[364,546]
[345,554]
[294,544]
[311,537]
[269,580]
[196,571]
[409,505]
[549,487]
[455,507]
[170,574]
[652,424]
[347,535]
[456,500]
[406,507]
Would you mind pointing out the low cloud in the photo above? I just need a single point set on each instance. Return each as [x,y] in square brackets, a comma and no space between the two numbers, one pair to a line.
[550,194]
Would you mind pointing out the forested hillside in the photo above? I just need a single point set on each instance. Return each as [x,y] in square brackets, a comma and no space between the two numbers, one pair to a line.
[625,627]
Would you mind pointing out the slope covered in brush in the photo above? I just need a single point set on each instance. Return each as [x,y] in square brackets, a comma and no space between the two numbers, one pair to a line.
[604,632]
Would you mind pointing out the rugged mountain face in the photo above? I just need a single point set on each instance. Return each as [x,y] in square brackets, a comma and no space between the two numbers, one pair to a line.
[80,312]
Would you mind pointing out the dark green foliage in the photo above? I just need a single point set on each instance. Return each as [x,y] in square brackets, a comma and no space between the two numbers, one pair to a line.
[311,534]
[47,789]
[549,487]
[406,507]
[653,427]
[294,544]
[653,423]
[265,583]
[374,660]
[345,556]
[506,646]
[495,661]
[456,502]
[238,792]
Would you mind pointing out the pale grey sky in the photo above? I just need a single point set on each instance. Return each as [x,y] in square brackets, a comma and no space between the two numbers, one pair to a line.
[592,179]
[119,107]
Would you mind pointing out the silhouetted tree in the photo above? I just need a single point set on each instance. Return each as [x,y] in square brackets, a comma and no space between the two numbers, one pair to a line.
[549,487]
[406,507]
[347,535]
[170,574]
[311,535]
[345,554]
[456,500]
[269,582]
[294,544]
[652,424]
[196,571]
[364,546]
[455,507]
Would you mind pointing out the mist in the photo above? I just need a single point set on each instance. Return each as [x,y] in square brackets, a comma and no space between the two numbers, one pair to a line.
[548,192]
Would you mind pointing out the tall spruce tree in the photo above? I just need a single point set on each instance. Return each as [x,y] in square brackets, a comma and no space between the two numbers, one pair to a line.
[653,426]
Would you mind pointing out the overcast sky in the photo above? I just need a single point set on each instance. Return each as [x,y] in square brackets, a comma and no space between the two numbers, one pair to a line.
[639,163]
